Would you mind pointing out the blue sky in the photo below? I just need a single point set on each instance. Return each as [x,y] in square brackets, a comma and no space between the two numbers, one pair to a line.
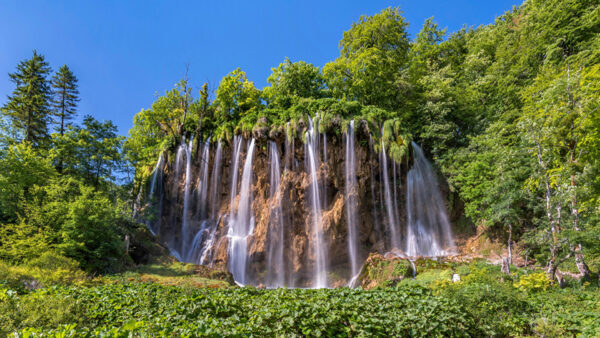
[126,52]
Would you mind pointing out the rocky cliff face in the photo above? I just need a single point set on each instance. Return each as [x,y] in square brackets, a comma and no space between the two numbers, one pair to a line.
[281,247]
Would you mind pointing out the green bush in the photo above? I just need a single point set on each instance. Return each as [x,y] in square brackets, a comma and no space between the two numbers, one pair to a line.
[534,282]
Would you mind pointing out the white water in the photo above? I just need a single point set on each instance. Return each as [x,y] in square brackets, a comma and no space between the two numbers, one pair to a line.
[207,248]
[215,180]
[317,243]
[275,265]
[389,202]
[193,254]
[428,228]
[351,190]
[202,187]
[157,176]
[186,198]
[241,223]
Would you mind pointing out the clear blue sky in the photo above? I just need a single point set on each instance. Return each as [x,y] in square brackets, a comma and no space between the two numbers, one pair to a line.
[125,52]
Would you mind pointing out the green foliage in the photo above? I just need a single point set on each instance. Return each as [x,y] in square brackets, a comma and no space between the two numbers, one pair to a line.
[66,96]
[89,234]
[21,167]
[29,105]
[46,270]
[154,309]
[236,96]
[534,282]
[290,81]
[370,67]
[92,152]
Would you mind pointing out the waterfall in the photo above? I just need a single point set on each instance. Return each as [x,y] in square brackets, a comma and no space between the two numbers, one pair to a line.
[157,168]
[389,203]
[208,245]
[351,200]
[374,214]
[428,228]
[325,169]
[202,187]
[193,254]
[237,146]
[186,198]
[157,176]
[241,225]
[275,266]
[318,243]
[396,210]
[215,180]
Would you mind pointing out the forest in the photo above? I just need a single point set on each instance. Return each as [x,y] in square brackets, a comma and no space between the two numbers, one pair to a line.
[507,114]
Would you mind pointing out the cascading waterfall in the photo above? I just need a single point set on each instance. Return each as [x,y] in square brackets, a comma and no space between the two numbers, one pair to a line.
[318,243]
[215,180]
[428,228]
[389,203]
[293,240]
[186,199]
[202,187]
[241,224]
[157,175]
[275,265]
[351,201]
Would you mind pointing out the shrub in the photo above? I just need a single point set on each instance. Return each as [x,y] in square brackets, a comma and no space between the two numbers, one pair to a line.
[534,282]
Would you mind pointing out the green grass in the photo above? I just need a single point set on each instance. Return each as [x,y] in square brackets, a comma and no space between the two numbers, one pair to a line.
[174,274]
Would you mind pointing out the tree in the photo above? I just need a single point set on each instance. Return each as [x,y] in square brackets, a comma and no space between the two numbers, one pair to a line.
[371,68]
[236,96]
[293,80]
[91,152]
[161,126]
[90,234]
[66,96]
[491,173]
[559,121]
[21,168]
[29,105]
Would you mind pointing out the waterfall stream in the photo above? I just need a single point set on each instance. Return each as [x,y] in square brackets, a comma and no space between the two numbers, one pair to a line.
[389,202]
[428,229]
[351,190]
[275,267]
[317,243]
[185,218]
[241,225]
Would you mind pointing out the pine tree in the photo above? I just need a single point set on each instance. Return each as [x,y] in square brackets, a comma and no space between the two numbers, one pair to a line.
[66,96]
[29,105]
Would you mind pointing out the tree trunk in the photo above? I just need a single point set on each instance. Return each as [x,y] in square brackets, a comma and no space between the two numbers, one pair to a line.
[551,269]
[584,270]
[509,243]
[505,266]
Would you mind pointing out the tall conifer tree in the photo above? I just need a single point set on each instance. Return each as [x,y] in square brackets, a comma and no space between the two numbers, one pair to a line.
[29,105]
[66,96]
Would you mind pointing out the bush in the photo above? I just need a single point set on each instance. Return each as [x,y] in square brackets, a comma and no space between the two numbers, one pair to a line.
[47,270]
[534,282]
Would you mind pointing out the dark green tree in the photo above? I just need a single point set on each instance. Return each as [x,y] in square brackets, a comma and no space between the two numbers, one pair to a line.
[66,96]
[29,105]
